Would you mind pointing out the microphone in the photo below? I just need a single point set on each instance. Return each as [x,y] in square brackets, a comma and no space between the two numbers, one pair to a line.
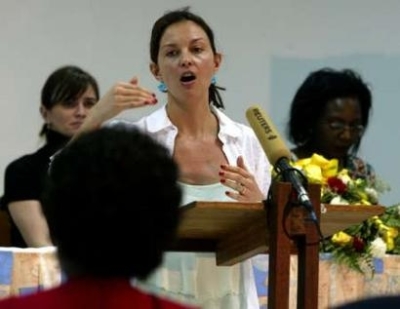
[278,154]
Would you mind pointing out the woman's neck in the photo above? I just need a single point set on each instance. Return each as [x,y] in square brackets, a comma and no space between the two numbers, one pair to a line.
[55,138]
[193,120]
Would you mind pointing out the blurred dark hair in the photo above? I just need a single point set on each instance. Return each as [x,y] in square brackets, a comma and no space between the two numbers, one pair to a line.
[315,92]
[176,16]
[109,190]
[64,84]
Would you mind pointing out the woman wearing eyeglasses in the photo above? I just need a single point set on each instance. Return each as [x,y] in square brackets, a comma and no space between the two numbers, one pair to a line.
[329,115]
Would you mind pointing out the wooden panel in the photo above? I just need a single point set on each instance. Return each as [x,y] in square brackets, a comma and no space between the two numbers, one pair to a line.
[237,231]
[336,218]
[214,220]
[243,243]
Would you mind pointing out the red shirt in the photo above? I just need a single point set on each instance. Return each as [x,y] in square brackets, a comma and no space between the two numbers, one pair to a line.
[90,293]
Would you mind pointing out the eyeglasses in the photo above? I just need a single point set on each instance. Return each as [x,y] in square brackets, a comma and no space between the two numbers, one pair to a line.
[339,126]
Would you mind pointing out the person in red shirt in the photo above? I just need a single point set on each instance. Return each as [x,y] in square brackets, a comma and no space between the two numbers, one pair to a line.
[111,200]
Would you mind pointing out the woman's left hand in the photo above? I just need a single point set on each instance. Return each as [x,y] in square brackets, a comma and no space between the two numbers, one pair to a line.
[241,181]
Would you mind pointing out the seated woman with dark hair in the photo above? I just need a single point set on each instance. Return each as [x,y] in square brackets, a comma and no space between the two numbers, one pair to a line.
[329,115]
[67,96]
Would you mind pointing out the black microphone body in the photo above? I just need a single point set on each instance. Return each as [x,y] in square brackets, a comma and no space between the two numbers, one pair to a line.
[278,154]
[291,175]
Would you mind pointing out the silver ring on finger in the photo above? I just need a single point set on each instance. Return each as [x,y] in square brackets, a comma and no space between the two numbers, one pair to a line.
[242,189]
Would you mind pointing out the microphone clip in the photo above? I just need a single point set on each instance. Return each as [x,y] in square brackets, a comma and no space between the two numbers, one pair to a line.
[299,183]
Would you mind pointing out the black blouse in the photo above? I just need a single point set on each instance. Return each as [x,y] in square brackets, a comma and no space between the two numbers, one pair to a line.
[24,178]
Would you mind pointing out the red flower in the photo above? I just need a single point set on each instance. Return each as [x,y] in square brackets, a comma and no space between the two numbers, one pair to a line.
[358,244]
[337,185]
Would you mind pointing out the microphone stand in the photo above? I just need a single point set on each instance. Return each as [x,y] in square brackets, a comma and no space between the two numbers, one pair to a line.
[290,227]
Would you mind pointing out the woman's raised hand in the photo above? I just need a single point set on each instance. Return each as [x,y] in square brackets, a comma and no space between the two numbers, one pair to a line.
[121,96]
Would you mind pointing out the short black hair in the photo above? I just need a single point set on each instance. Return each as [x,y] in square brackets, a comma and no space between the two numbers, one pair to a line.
[316,91]
[113,188]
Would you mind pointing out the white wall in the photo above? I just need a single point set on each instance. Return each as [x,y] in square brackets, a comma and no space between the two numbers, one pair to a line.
[269,47]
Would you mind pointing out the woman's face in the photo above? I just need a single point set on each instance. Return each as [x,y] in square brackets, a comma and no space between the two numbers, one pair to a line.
[186,61]
[339,127]
[67,117]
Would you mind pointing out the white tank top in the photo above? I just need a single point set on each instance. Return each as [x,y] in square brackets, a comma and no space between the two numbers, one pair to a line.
[212,192]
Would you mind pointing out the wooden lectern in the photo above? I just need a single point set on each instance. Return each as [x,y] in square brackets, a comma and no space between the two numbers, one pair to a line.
[237,231]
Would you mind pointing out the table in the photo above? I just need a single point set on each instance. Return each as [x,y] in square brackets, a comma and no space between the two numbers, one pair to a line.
[24,271]
[337,283]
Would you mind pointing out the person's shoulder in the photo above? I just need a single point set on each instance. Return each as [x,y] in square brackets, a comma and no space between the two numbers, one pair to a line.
[359,164]
[157,114]
[21,163]
[31,158]
[23,177]
[232,126]
[30,161]
[154,122]
[244,129]
[357,159]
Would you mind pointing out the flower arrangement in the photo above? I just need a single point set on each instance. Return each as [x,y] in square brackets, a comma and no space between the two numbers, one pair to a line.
[358,245]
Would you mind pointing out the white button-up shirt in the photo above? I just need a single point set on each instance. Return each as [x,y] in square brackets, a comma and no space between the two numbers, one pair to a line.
[237,139]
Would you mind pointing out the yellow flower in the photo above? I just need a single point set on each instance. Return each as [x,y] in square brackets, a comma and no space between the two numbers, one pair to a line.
[319,160]
[359,243]
[343,175]
[330,169]
[342,238]
[389,234]
[302,162]
[362,195]
[377,222]
[320,170]
[313,173]
[389,243]
[393,232]
[317,169]
[389,231]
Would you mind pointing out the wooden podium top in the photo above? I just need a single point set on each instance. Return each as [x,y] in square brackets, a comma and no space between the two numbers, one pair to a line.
[335,218]
[213,220]
[241,228]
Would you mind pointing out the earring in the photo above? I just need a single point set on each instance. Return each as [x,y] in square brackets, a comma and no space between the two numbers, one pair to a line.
[213,80]
[162,87]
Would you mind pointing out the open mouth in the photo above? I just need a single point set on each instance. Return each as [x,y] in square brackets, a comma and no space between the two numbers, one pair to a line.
[188,77]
